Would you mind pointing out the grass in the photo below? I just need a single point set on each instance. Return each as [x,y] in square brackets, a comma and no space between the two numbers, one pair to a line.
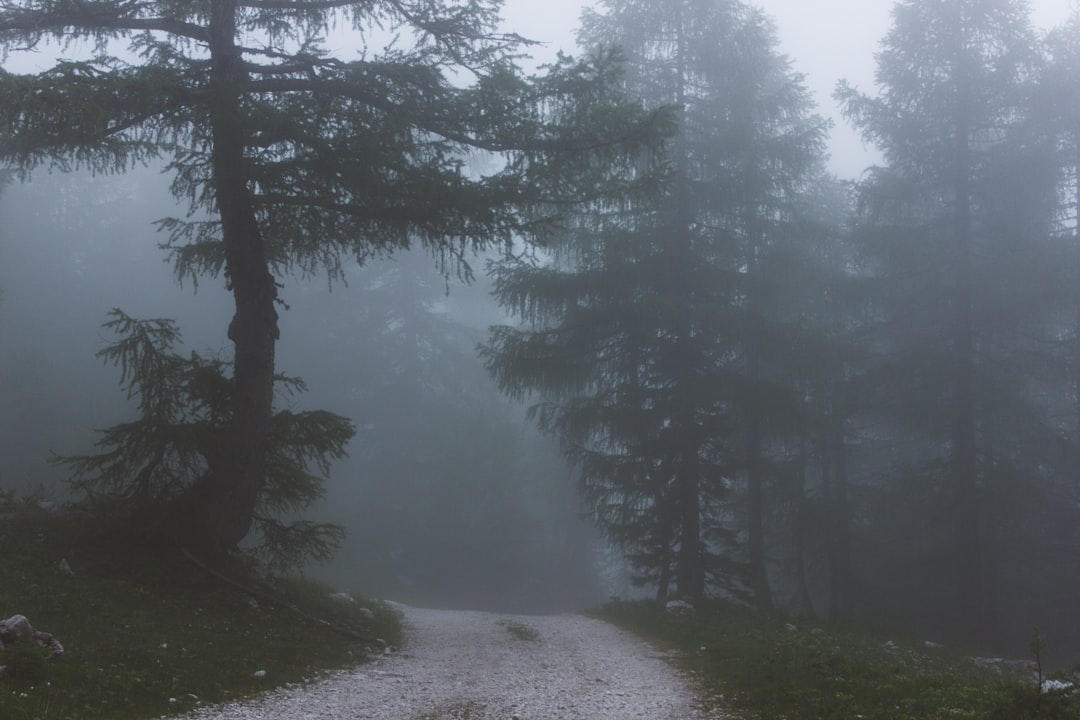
[147,633]
[521,631]
[765,666]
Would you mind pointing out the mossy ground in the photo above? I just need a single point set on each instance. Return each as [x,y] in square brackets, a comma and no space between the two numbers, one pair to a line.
[147,633]
[764,666]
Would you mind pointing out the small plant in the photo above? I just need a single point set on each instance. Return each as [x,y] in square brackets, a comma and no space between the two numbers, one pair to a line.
[1037,647]
[151,467]
[521,631]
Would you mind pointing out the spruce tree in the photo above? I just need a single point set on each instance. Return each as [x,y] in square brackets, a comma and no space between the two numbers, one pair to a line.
[954,227]
[646,337]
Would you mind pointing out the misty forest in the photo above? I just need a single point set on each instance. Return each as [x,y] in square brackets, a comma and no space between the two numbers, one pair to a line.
[428,320]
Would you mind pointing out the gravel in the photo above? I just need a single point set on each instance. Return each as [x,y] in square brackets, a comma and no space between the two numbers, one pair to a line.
[481,666]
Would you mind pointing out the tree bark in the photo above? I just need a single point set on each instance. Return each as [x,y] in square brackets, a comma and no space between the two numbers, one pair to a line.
[220,509]
[834,473]
[755,508]
[690,574]
[964,465]
[806,601]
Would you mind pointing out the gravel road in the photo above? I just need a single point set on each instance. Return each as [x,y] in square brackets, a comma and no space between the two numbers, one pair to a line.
[470,666]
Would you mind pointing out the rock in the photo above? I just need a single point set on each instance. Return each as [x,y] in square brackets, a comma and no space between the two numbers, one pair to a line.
[678,607]
[46,640]
[1062,686]
[259,674]
[65,568]
[18,629]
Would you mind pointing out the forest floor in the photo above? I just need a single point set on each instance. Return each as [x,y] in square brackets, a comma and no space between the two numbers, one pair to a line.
[147,634]
[458,665]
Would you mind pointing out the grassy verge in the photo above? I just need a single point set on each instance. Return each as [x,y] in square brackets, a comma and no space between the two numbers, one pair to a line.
[765,666]
[146,633]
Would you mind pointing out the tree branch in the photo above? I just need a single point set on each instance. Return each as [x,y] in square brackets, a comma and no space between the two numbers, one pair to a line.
[297,5]
[91,18]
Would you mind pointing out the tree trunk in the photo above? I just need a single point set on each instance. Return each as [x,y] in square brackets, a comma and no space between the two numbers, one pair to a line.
[219,511]
[1076,248]
[755,508]
[806,601]
[964,466]
[689,567]
[663,583]
[834,473]
[689,572]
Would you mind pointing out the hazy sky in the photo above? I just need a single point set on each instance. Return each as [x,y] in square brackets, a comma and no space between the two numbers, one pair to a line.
[826,40]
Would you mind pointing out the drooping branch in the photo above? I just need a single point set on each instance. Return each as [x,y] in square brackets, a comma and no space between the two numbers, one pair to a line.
[93,19]
[100,118]
[300,6]
[540,140]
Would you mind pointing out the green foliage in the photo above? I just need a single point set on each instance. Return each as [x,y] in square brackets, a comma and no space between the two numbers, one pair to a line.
[767,665]
[184,404]
[971,300]
[398,175]
[148,634]
[290,160]
[644,328]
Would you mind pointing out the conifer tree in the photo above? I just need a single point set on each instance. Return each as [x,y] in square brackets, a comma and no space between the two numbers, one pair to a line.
[647,337]
[291,159]
[954,219]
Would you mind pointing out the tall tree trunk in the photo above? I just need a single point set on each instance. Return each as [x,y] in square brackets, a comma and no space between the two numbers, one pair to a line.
[220,509]
[755,508]
[834,474]
[802,523]
[690,572]
[689,561]
[664,580]
[964,467]
[1076,248]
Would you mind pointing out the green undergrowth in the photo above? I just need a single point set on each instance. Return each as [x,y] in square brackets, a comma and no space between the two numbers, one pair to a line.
[764,666]
[146,633]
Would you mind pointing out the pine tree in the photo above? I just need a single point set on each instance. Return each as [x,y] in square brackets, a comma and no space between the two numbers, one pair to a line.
[291,159]
[953,219]
[647,338]
[1059,107]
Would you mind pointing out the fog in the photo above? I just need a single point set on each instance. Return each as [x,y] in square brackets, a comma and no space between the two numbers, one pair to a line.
[826,41]
[449,496]
[453,497]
